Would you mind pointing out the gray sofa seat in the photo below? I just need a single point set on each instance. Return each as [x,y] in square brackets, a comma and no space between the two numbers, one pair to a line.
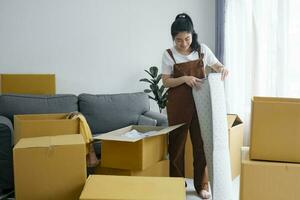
[105,113]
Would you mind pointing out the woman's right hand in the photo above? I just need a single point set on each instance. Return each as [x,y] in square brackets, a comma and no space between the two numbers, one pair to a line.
[192,81]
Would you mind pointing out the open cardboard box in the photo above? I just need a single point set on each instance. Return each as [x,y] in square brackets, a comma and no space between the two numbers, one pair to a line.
[37,125]
[121,152]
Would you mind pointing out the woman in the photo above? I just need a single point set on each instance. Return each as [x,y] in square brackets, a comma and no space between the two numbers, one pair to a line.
[183,68]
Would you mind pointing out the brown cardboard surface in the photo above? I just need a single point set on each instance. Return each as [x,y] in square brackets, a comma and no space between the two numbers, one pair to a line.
[268,180]
[134,154]
[160,169]
[275,129]
[235,137]
[43,84]
[46,168]
[103,187]
[37,125]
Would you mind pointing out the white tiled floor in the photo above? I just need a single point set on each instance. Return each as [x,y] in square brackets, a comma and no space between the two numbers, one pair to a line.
[192,195]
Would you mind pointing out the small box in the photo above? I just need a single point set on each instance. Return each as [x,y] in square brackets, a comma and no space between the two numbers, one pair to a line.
[275,129]
[37,125]
[235,137]
[268,180]
[160,169]
[46,168]
[104,187]
[41,84]
[138,153]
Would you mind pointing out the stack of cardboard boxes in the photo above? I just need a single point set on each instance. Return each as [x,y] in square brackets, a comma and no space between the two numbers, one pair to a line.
[50,155]
[45,167]
[271,168]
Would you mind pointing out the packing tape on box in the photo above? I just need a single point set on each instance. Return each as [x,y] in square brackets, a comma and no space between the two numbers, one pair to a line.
[211,108]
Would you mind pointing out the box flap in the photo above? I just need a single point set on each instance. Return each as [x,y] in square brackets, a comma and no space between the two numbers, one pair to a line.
[48,141]
[276,99]
[118,135]
[233,120]
[55,116]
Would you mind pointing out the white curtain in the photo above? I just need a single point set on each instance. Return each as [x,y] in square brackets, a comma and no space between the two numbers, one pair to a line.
[262,43]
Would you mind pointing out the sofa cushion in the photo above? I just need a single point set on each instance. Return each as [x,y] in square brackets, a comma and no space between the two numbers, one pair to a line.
[108,112]
[11,104]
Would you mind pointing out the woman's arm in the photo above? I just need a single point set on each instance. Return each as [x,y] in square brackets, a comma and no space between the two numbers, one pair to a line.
[169,81]
[220,69]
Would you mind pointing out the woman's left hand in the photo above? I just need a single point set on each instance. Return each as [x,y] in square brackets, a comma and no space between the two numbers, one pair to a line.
[224,73]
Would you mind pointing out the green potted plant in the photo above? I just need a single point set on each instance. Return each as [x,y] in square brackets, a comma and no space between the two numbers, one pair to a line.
[158,91]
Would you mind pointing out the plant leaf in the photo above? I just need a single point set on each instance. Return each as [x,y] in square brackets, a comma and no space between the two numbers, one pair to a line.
[151,97]
[147,91]
[161,89]
[149,73]
[154,71]
[146,80]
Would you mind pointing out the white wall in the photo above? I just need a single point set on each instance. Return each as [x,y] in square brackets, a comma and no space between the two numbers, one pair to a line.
[94,46]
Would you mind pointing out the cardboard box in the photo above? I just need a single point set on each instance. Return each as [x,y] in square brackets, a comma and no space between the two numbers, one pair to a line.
[268,180]
[160,169]
[275,129]
[121,152]
[49,167]
[235,137]
[103,187]
[43,84]
[38,125]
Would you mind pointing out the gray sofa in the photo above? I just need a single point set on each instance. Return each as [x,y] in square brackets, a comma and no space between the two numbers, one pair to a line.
[103,113]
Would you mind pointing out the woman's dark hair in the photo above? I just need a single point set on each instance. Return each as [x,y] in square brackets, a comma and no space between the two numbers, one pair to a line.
[184,23]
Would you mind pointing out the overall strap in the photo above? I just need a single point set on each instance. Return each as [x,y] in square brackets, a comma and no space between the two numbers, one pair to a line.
[201,55]
[171,54]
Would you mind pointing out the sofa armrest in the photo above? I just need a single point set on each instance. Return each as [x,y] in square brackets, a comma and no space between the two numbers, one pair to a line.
[144,120]
[6,161]
[161,119]
[4,121]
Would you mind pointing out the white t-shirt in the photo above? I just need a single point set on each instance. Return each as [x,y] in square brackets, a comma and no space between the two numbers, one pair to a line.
[209,58]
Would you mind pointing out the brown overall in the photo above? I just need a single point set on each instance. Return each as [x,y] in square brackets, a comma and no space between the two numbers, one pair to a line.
[181,109]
